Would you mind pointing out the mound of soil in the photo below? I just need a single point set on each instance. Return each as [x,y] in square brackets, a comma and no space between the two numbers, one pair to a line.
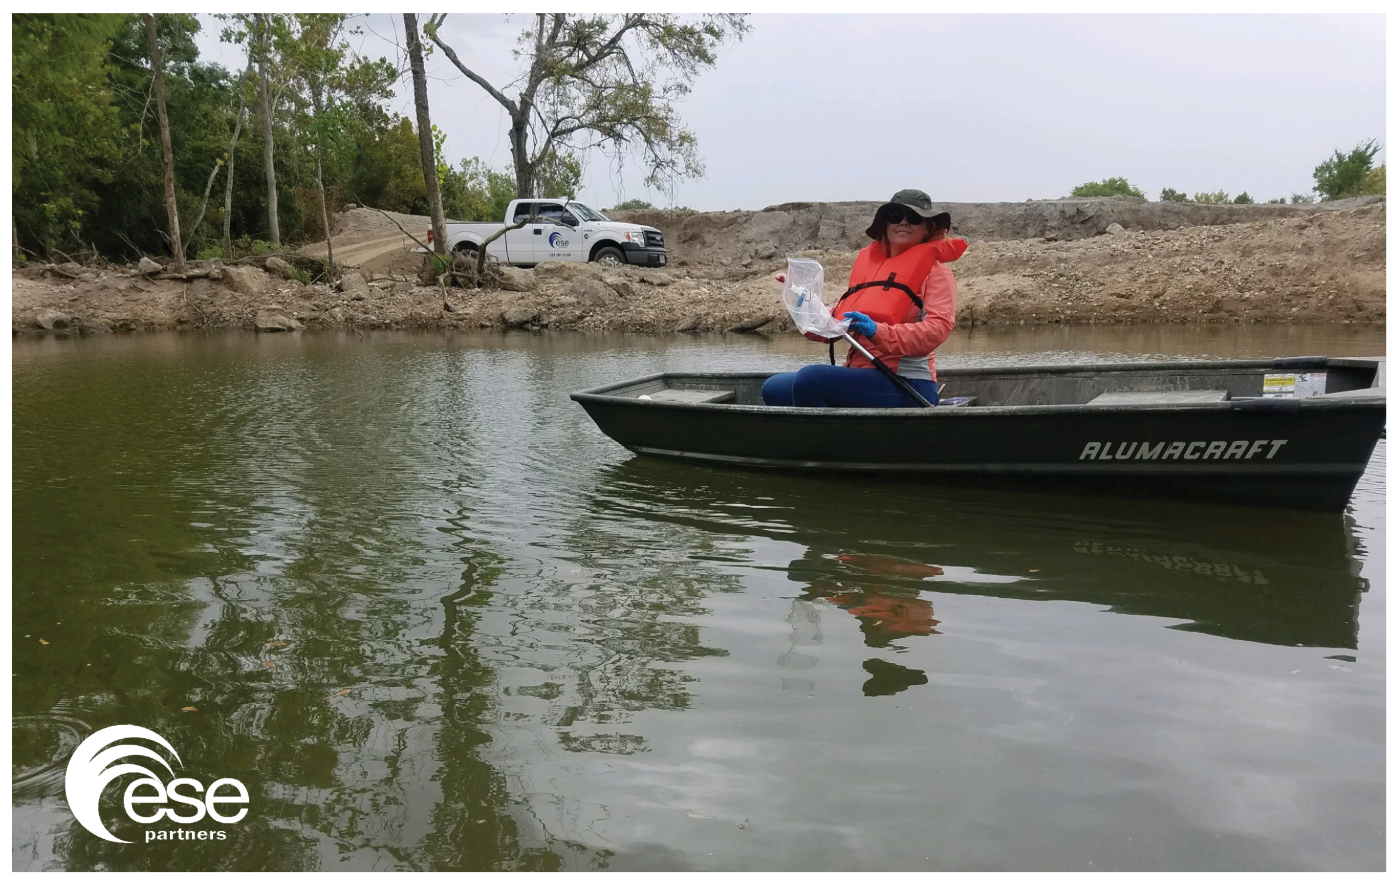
[742,238]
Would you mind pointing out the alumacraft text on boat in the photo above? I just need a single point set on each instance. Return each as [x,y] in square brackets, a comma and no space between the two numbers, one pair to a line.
[1181,450]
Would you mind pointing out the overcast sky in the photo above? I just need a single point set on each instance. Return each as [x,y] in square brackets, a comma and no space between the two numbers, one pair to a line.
[966,107]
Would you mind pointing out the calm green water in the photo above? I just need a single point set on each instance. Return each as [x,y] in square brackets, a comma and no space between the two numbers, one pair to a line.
[434,620]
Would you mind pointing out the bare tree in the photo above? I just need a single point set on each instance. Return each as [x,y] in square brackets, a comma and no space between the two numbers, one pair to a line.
[425,131]
[605,81]
[171,209]
[264,39]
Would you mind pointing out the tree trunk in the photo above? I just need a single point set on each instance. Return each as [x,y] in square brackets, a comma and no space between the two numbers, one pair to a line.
[321,179]
[232,145]
[524,171]
[171,210]
[265,107]
[208,187]
[425,132]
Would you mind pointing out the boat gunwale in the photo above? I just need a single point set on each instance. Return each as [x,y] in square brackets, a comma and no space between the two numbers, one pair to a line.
[1373,395]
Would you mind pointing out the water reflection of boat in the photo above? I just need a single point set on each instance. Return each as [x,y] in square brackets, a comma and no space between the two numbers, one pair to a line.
[1211,431]
[1279,577]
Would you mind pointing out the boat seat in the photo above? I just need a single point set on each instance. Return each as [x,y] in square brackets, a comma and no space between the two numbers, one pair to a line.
[1205,396]
[690,396]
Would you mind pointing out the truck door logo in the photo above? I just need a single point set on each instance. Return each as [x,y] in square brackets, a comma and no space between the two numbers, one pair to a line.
[557,241]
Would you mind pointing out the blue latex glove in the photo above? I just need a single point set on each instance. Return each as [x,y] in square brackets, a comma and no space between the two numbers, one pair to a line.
[860,323]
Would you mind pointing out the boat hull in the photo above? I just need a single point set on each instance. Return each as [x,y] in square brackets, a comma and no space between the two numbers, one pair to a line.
[1306,454]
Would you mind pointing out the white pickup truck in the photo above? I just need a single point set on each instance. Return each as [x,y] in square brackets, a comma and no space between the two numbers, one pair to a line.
[561,230]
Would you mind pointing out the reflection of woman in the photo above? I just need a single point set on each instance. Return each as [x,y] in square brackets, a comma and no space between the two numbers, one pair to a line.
[886,612]
[900,303]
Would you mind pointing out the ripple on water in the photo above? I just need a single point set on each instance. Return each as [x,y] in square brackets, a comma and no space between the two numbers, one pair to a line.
[42,744]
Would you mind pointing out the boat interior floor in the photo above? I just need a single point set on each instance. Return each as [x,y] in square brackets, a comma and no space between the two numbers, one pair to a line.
[1196,396]
[1099,387]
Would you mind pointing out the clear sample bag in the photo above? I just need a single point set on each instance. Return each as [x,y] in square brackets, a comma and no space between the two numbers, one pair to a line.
[802,294]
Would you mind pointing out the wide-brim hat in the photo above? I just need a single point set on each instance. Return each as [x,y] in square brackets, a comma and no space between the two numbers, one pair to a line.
[914,200]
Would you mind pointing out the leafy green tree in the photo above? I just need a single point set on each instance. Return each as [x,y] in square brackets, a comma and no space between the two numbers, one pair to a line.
[200,105]
[475,192]
[1219,197]
[1113,186]
[1374,184]
[1279,201]
[333,79]
[1343,176]
[238,30]
[559,176]
[604,81]
[65,129]
[387,171]
[97,135]
[1171,195]
[1243,199]
[172,208]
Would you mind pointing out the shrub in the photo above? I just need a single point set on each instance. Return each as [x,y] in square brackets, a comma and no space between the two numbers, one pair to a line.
[1374,184]
[1219,197]
[1301,199]
[632,204]
[1171,195]
[1344,176]
[1243,199]
[1278,201]
[210,253]
[247,245]
[1113,186]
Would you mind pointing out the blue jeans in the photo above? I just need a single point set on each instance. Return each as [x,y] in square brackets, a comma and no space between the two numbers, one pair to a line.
[821,385]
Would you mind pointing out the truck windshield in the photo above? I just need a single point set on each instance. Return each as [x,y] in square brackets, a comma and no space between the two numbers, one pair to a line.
[585,213]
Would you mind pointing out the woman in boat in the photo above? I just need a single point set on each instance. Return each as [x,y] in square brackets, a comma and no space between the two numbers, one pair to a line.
[900,304]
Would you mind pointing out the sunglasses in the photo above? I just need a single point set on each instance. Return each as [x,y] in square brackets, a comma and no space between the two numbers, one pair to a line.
[905,216]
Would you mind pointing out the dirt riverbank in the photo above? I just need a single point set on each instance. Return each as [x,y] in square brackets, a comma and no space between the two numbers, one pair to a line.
[1278,264]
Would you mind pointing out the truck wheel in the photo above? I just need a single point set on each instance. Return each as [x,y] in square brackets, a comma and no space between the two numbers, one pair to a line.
[466,250]
[608,256]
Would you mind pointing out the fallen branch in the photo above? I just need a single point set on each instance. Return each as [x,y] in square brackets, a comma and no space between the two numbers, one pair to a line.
[481,251]
[30,253]
[127,241]
[184,277]
[402,230]
[750,325]
[194,308]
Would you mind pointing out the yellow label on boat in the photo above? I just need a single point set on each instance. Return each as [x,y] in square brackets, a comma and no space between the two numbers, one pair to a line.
[1294,385]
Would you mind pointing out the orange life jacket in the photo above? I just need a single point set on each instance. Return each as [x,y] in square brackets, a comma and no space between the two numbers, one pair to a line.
[882,287]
